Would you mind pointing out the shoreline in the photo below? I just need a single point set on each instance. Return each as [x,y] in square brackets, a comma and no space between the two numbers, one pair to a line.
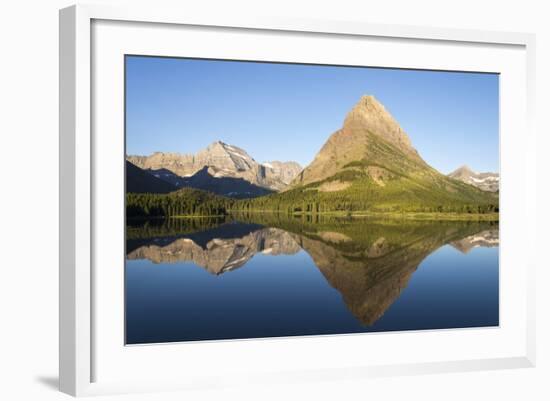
[391,215]
[359,214]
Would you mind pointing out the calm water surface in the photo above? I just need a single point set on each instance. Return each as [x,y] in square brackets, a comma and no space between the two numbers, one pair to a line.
[250,277]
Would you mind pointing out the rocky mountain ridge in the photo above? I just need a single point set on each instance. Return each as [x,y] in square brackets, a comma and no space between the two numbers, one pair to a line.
[222,160]
[485,181]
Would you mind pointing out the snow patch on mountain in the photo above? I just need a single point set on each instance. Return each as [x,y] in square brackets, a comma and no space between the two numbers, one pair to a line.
[484,181]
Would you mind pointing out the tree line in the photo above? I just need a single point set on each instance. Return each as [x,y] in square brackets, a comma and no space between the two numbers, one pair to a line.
[192,202]
[186,202]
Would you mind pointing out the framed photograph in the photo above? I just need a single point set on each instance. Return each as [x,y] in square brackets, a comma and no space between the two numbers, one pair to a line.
[290,200]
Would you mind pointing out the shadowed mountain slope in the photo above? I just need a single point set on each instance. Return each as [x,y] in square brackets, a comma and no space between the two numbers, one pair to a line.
[207,180]
[140,181]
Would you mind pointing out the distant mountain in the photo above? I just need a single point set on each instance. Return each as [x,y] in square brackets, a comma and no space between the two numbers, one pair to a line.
[222,161]
[371,163]
[284,171]
[140,181]
[484,181]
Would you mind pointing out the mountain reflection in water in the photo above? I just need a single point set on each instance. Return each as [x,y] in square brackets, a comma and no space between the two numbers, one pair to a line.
[368,262]
[219,250]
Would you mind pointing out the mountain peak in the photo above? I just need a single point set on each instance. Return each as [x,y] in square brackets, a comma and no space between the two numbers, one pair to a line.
[464,169]
[216,145]
[369,115]
[369,103]
[221,160]
[484,181]
[369,133]
[369,100]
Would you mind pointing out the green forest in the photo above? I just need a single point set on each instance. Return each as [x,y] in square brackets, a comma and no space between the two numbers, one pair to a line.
[361,197]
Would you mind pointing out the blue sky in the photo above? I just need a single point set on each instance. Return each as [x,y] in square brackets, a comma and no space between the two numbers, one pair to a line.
[288,111]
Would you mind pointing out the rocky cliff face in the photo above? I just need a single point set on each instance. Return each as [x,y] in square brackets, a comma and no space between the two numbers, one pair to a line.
[283,171]
[370,115]
[358,139]
[484,181]
[222,160]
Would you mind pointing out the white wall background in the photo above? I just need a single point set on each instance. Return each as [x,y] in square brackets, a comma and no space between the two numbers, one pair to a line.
[29,199]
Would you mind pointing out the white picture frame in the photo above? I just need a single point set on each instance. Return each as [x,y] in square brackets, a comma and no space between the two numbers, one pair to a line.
[78,197]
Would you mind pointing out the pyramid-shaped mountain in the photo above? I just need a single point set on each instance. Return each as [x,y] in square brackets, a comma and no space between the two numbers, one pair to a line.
[369,133]
[370,164]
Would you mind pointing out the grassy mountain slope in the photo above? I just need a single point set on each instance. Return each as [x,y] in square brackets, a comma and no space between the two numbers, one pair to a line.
[384,179]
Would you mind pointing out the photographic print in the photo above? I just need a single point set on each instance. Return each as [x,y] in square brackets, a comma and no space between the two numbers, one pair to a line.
[281,199]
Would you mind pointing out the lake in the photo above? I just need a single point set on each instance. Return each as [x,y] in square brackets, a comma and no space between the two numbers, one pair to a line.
[269,276]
